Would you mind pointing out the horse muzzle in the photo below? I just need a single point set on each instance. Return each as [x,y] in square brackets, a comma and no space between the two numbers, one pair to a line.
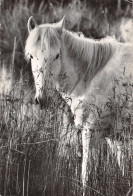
[39,101]
[42,102]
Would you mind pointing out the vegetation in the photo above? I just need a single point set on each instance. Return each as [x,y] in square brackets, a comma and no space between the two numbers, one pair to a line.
[38,154]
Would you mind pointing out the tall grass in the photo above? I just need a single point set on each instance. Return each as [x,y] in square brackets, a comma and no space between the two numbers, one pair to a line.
[39,154]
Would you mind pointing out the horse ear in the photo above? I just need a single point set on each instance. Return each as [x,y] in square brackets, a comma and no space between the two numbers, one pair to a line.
[31,24]
[61,25]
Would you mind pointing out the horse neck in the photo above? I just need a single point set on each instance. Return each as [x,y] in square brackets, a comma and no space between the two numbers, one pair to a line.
[88,56]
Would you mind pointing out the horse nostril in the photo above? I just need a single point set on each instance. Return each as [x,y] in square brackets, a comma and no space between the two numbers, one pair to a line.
[36,101]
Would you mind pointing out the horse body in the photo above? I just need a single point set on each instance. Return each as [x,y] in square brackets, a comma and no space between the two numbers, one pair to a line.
[79,68]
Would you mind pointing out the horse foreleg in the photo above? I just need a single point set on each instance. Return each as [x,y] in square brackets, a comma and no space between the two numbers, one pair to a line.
[86,135]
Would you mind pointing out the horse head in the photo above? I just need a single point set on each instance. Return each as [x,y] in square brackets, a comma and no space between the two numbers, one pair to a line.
[43,48]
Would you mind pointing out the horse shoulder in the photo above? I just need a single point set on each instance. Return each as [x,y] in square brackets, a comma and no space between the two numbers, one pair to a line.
[120,62]
[126,60]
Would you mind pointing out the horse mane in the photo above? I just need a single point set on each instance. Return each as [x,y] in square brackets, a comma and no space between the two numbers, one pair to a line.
[92,54]
[37,38]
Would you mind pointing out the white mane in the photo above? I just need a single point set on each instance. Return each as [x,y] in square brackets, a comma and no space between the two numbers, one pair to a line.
[92,54]
[37,38]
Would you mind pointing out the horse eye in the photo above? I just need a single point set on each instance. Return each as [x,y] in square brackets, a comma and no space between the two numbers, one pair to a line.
[57,56]
[31,56]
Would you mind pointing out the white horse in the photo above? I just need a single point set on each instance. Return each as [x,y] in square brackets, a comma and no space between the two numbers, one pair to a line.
[78,68]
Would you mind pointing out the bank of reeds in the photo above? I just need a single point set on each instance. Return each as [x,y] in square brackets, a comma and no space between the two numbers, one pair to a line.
[42,156]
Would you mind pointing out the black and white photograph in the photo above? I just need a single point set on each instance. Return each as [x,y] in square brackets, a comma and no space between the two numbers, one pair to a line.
[66,97]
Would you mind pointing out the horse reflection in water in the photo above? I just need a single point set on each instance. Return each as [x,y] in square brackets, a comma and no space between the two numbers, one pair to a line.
[78,68]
